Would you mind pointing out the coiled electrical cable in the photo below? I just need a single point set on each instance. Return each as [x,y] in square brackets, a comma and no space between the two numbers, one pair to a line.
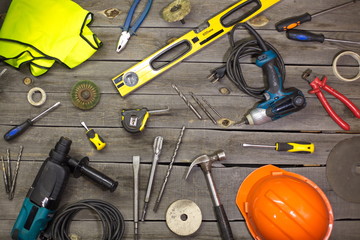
[250,48]
[113,223]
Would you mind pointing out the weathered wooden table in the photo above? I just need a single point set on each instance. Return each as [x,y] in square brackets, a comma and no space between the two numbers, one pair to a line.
[201,137]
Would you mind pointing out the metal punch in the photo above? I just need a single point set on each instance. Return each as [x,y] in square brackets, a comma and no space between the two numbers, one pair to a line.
[158,143]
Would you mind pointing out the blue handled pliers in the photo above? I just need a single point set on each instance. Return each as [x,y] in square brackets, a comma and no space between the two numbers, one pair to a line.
[129,31]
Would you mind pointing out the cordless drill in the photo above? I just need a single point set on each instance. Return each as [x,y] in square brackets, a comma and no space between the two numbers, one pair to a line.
[45,193]
[279,102]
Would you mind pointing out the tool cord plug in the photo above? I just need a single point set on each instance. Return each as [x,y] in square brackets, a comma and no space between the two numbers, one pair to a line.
[217,74]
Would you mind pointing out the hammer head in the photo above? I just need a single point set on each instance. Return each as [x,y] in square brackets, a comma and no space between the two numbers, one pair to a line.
[205,161]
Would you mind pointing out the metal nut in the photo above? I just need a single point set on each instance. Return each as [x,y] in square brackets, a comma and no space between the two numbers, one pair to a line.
[224,91]
[27,81]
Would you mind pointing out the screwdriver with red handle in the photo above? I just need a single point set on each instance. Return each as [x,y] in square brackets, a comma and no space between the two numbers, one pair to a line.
[306,36]
[293,22]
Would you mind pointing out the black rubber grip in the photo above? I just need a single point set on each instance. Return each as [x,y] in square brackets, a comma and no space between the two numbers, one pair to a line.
[223,223]
[292,22]
[18,130]
[281,146]
[304,36]
[90,133]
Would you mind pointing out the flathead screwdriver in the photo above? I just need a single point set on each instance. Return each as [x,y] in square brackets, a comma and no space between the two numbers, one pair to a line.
[306,36]
[18,130]
[294,147]
[293,22]
[97,141]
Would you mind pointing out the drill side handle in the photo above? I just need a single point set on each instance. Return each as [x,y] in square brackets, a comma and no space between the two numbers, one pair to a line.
[82,167]
[223,223]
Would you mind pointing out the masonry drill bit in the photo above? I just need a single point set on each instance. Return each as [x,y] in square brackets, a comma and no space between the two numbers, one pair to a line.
[9,174]
[158,142]
[192,108]
[136,167]
[5,175]
[203,108]
[169,169]
[12,190]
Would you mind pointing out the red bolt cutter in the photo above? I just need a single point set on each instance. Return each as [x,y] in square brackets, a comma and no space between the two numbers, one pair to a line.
[317,85]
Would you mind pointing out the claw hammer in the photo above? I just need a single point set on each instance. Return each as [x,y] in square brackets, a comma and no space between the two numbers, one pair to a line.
[205,162]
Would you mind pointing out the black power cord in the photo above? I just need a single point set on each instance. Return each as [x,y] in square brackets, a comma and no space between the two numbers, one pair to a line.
[232,68]
[112,220]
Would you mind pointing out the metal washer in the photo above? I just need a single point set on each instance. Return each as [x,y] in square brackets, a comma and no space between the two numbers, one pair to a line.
[32,92]
[183,217]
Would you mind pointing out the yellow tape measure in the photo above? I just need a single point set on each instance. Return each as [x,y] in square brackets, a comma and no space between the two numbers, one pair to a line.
[191,42]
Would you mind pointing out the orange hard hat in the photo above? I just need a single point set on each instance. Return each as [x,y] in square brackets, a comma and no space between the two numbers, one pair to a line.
[278,204]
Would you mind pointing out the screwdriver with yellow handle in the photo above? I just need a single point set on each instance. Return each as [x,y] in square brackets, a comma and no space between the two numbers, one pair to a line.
[294,147]
[94,138]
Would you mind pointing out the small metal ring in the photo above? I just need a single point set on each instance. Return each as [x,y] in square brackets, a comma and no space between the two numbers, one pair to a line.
[335,70]
[31,93]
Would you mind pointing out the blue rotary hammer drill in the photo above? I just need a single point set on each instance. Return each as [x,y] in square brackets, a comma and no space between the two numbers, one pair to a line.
[45,193]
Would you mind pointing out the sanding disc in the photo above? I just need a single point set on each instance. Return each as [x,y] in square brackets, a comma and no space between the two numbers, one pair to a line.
[183,217]
[343,169]
[85,94]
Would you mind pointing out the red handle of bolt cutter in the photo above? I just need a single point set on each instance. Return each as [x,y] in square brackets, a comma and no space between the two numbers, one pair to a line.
[331,111]
[343,99]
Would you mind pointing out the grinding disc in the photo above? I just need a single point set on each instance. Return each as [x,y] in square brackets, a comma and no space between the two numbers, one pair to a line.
[343,169]
[85,95]
[183,217]
[176,11]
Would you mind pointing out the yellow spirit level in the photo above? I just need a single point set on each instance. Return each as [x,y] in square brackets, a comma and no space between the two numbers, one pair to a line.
[191,42]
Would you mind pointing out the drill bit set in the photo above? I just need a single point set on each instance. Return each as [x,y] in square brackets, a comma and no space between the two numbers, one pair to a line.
[8,175]
[224,122]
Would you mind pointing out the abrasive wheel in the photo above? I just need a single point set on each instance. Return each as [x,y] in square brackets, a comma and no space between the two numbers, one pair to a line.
[343,169]
[85,95]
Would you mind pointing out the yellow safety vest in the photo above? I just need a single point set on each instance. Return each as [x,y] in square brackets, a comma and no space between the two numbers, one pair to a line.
[40,32]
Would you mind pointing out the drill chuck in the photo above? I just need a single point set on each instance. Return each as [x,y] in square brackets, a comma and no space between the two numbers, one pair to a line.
[292,100]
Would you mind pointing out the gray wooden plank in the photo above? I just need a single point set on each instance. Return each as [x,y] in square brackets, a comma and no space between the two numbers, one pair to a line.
[150,41]
[345,19]
[227,181]
[208,230]
[121,146]
[15,110]
[188,76]
[201,12]
[149,230]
